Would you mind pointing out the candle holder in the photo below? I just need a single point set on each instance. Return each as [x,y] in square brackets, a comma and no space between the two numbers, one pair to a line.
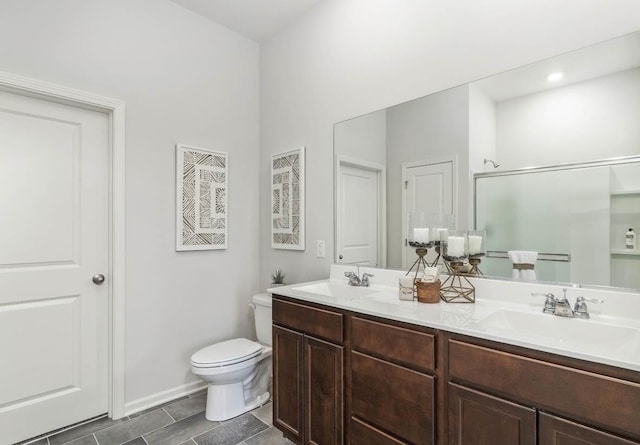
[421,252]
[477,250]
[456,288]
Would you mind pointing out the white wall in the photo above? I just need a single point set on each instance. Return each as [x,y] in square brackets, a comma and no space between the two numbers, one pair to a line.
[591,120]
[184,79]
[350,57]
[482,130]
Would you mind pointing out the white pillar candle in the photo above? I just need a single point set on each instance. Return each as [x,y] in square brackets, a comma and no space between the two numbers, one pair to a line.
[475,244]
[455,246]
[421,235]
[439,233]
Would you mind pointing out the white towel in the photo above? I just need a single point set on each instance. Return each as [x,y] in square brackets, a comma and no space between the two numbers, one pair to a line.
[523,257]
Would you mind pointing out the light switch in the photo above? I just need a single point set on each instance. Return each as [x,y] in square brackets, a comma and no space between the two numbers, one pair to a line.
[320,248]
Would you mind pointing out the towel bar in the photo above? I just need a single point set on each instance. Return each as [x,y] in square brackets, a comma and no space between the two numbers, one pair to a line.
[558,257]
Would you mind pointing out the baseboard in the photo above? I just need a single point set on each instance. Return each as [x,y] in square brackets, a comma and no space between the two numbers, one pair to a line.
[163,397]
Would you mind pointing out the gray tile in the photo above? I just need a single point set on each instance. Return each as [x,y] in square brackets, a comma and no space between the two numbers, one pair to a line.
[232,432]
[136,441]
[181,431]
[157,407]
[272,436]
[189,442]
[264,413]
[187,407]
[125,431]
[86,440]
[84,430]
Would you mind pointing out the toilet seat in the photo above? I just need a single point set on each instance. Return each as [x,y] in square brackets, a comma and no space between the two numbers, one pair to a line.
[226,353]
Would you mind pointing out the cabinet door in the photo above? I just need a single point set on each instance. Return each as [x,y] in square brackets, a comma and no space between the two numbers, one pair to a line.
[556,431]
[476,418]
[287,382]
[324,394]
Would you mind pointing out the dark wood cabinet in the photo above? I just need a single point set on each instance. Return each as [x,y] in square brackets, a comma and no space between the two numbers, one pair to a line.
[341,377]
[364,434]
[574,402]
[323,392]
[557,431]
[392,389]
[308,373]
[288,375]
[476,418]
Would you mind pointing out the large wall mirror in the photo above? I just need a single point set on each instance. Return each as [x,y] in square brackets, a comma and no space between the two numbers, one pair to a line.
[545,158]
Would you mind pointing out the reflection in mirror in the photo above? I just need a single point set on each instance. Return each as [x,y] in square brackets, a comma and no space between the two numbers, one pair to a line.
[423,155]
[575,217]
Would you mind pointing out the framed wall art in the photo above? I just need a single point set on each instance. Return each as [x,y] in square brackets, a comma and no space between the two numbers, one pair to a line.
[287,200]
[201,198]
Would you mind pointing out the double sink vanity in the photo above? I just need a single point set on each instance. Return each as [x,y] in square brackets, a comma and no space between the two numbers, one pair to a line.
[356,365]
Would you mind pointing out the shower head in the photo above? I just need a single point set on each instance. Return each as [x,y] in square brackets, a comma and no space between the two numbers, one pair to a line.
[491,162]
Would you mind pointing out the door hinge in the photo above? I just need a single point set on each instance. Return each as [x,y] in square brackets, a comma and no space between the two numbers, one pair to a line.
[405,241]
[406,184]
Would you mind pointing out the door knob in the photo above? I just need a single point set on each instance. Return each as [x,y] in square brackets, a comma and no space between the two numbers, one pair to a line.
[340,257]
[98,279]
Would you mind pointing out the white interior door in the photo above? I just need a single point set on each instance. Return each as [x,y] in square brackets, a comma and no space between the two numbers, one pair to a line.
[53,239]
[358,225]
[429,187]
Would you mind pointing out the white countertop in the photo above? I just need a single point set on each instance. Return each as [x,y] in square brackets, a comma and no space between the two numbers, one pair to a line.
[503,312]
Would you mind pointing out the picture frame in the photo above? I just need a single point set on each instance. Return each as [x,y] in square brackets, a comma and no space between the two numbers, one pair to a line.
[288,200]
[201,198]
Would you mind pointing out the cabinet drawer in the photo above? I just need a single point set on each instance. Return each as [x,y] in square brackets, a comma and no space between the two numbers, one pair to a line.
[401,345]
[393,398]
[365,434]
[318,322]
[608,402]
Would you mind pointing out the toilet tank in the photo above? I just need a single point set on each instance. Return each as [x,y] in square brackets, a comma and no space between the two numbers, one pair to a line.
[262,310]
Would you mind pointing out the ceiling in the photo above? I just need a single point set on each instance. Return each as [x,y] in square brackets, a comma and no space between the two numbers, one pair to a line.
[255,19]
[587,63]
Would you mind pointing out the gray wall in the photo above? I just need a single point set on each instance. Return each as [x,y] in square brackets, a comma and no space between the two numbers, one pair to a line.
[431,128]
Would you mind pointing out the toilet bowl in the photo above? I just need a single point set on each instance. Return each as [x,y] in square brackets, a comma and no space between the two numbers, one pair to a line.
[237,371]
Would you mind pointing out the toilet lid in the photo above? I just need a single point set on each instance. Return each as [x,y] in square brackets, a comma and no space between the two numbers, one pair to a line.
[226,352]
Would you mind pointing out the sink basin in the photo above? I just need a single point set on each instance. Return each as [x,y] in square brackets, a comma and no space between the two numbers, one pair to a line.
[570,331]
[334,289]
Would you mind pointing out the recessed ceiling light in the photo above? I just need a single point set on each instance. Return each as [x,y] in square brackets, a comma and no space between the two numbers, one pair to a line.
[555,77]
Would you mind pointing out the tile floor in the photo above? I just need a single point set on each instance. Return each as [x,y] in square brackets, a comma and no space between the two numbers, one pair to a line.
[179,422]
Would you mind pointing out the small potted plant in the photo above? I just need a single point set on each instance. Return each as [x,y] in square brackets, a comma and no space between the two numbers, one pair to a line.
[277,278]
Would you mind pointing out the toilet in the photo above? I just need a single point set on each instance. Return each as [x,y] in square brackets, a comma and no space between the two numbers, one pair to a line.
[238,370]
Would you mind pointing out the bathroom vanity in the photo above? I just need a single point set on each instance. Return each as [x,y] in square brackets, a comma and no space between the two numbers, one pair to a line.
[349,367]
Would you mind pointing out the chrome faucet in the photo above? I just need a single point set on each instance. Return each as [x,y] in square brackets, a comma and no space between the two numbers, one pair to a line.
[580,310]
[562,308]
[354,280]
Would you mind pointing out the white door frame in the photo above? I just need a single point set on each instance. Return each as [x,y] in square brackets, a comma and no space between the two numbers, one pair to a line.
[454,166]
[382,203]
[116,110]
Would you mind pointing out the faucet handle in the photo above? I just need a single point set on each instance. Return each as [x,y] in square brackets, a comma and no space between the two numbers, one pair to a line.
[365,279]
[580,309]
[550,302]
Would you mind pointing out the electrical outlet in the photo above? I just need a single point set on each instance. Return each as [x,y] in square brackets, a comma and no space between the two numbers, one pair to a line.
[320,248]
